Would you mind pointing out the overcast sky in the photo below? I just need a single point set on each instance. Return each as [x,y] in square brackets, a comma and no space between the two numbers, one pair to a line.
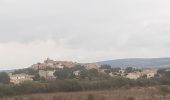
[82,30]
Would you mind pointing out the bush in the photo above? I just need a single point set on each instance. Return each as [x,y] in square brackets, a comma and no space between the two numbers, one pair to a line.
[130,98]
[164,90]
[18,98]
[29,87]
[58,98]
[35,98]
[90,97]
[4,78]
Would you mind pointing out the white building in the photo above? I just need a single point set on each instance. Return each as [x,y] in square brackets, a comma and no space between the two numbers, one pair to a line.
[76,73]
[19,78]
[47,74]
[134,75]
[149,72]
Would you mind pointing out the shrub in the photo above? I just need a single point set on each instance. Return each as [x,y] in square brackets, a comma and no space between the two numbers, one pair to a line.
[18,98]
[164,90]
[90,97]
[35,98]
[130,98]
[58,98]
[4,78]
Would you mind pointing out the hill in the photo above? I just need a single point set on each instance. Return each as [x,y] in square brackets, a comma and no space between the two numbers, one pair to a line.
[49,63]
[138,62]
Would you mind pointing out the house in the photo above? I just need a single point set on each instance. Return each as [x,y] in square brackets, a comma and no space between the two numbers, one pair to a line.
[76,73]
[47,74]
[149,72]
[91,65]
[19,78]
[40,66]
[150,75]
[60,66]
[134,75]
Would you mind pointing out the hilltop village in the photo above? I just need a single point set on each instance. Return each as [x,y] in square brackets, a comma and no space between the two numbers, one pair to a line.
[52,70]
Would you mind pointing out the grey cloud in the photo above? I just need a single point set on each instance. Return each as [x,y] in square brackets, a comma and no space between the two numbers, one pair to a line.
[97,25]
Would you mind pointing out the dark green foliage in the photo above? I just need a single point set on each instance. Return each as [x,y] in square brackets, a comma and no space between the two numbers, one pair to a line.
[38,78]
[119,81]
[6,90]
[84,74]
[164,72]
[64,85]
[71,85]
[64,73]
[93,74]
[129,69]
[29,71]
[96,81]
[30,87]
[4,78]
[107,71]
[116,69]
[105,66]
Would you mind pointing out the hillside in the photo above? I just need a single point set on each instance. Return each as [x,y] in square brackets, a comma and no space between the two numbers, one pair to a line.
[138,62]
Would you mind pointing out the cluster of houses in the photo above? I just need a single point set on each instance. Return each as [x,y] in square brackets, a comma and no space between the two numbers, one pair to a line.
[61,64]
[44,71]
[148,73]
[19,78]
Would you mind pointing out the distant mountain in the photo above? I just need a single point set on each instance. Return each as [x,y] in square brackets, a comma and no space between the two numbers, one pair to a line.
[138,62]
[7,71]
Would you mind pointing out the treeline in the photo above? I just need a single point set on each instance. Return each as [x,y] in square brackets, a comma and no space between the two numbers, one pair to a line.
[30,87]
[88,80]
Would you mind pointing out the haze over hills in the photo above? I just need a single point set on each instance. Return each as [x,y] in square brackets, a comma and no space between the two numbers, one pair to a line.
[138,62]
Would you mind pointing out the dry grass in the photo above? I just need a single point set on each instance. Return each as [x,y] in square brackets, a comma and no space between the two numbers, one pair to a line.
[149,93]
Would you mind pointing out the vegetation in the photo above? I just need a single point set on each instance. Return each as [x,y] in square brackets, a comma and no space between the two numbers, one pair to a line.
[92,79]
[105,66]
[64,73]
[29,71]
[68,85]
[4,78]
[135,93]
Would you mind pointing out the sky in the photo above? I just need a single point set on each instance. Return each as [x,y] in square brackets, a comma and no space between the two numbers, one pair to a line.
[82,30]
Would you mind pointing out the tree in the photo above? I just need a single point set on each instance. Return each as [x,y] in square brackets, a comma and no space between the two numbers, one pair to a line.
[105,66]
[93,72]
[64,73]
[78,67]
[4,78]
[164,72]
[117,69]
[107,71]
[37,77]
[129,70]
[84,73]
[29,71]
